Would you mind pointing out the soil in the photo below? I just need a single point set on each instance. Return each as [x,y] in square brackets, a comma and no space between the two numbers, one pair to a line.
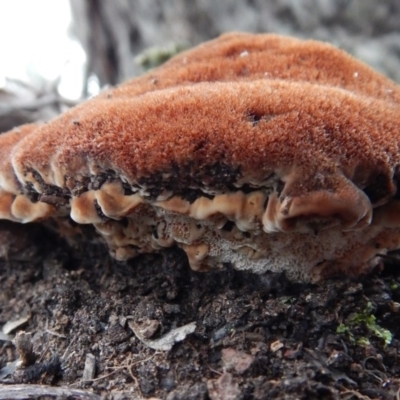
[256,336]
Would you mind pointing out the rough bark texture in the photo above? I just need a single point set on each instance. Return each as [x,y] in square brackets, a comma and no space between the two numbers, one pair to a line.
[113,33]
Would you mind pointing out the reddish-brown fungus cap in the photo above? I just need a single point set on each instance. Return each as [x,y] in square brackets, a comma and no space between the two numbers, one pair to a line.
[8,180]
[210,136]
[241,56]
[13,206]
[296,92]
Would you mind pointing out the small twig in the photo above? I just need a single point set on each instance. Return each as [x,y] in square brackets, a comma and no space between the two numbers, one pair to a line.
[20,392]
[66,350]
[55,334]
[213,370]
[356,394]
[116,369]
[42,355]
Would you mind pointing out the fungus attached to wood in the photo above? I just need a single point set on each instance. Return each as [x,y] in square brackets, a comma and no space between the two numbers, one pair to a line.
[267,152]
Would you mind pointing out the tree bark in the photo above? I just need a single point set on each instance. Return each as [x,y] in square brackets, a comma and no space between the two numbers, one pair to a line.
[114,32]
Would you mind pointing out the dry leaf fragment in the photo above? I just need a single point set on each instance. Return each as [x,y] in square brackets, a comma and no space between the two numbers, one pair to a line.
[165,342]
[10,326]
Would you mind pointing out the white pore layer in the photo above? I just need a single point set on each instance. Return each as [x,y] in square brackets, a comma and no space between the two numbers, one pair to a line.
[226,229]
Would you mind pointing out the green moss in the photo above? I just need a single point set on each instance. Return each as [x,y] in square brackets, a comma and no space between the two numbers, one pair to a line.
[367,319]
[155,56]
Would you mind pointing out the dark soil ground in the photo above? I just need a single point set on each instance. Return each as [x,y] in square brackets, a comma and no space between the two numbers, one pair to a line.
[256,337]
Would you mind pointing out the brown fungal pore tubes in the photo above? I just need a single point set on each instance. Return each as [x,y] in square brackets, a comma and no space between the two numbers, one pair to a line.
[267,152]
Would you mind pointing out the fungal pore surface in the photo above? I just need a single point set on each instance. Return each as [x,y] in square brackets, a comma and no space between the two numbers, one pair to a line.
[267,152]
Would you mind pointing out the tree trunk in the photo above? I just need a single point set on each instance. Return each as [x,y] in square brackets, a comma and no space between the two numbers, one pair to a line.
[114,32]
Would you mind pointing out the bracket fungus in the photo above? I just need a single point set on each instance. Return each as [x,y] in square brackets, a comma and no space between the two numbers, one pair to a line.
[267,152]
